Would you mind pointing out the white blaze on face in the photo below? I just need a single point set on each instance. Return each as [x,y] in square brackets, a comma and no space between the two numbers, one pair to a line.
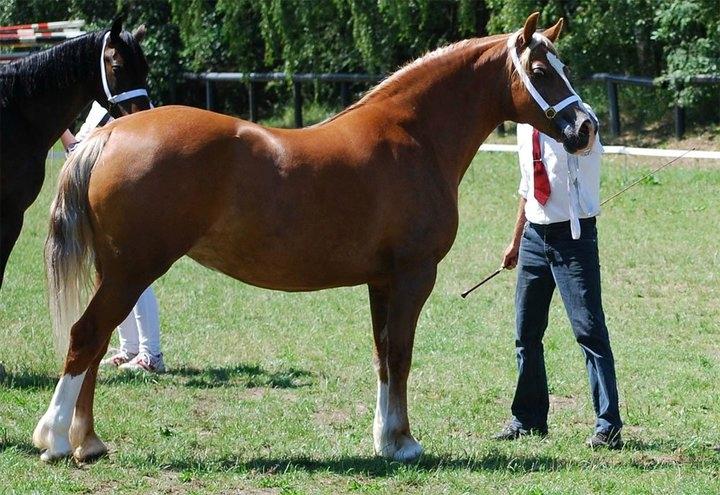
[550,110]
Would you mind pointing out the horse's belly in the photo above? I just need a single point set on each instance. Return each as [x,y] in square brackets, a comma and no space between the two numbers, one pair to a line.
[292,265]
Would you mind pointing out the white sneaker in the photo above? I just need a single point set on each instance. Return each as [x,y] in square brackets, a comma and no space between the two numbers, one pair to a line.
[145,362]
[119,358]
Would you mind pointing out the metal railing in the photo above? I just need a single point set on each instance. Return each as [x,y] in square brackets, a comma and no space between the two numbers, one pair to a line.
[613,80]
[252,79]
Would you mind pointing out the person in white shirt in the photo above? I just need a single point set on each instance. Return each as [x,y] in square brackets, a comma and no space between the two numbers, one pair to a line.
[554,244]
[140,332]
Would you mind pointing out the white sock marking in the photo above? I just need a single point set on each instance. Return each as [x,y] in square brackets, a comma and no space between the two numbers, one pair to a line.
[52,432]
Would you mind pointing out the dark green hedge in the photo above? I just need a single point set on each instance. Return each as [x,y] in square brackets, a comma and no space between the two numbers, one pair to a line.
[668,38]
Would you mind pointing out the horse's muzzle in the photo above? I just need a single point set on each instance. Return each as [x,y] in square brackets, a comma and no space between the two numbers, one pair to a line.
[579,136]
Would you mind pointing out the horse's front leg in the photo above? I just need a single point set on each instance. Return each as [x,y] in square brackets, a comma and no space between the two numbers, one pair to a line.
[11,221]
[394,344]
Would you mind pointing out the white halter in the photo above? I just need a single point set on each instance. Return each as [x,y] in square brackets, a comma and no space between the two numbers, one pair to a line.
[550,110]
[133,93]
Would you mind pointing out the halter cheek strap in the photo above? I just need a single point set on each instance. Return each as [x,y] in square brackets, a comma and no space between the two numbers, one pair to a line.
[133,93]
[550,110]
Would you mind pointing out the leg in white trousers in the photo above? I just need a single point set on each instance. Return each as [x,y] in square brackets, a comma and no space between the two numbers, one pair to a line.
[140,332]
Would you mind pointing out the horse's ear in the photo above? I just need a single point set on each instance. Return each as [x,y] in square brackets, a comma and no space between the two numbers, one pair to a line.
[553,33]
[116,29]
[529,29]
[139,33]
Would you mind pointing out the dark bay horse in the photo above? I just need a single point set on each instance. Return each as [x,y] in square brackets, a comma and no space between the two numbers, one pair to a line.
[369,196]
[42,94]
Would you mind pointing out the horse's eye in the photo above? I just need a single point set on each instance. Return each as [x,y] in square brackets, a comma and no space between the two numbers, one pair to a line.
[538,71]
[116,68]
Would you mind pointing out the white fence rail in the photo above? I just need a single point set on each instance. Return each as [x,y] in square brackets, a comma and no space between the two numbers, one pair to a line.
[623,150]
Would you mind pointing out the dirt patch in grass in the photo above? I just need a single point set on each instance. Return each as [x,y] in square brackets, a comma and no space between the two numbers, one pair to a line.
[561,402]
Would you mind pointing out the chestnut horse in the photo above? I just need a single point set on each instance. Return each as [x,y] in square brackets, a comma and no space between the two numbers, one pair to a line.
[41,95]
[369,196]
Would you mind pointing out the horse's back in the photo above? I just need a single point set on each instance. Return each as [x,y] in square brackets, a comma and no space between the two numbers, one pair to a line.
[289,209]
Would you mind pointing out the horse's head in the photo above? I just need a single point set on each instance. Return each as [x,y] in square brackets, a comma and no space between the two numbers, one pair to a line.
[123,71]
[541,94]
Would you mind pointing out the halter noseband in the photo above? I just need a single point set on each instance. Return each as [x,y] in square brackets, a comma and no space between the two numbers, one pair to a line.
[114,100]
[549,110]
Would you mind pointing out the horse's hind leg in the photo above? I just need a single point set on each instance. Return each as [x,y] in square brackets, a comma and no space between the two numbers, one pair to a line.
[83,438]
[89,337]
[405,298]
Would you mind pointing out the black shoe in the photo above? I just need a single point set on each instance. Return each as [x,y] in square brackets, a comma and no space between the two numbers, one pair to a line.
[512,432]
[608,439]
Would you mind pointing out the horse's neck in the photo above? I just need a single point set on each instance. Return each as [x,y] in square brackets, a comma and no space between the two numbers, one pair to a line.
[48,115]
[64,86]
[458,109]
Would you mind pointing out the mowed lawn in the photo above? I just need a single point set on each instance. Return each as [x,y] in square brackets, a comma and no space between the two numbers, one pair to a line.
[269,392]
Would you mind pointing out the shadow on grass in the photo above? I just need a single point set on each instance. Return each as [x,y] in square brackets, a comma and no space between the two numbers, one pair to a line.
[28,380]
[242,375]
[20,446]
[374,466]
[378,467]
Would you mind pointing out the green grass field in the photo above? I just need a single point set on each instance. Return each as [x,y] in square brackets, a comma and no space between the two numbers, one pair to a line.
[270,392]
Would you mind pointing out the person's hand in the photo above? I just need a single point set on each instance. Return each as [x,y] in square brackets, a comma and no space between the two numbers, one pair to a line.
[510,256]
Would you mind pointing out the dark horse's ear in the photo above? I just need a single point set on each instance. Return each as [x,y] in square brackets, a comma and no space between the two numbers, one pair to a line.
[139,33]
[554,32]
[529,29]
[116,29]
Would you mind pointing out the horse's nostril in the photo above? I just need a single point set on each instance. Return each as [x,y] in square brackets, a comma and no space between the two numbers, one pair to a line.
[585,128]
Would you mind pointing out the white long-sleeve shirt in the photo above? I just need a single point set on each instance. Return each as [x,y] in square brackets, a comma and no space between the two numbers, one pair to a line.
[574,180]
[96,114]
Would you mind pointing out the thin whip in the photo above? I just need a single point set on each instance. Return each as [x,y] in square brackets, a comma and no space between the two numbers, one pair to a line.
[497,272]
[646,176]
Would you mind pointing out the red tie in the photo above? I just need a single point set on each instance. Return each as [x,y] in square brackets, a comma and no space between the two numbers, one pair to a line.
[540,177]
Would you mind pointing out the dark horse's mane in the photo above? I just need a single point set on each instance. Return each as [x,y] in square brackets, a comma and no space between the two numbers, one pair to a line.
[57,68]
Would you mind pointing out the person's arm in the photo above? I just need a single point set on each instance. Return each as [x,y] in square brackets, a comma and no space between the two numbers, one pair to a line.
[68,140]
[510,256]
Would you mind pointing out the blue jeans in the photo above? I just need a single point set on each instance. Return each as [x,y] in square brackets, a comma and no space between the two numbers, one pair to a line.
[549,257]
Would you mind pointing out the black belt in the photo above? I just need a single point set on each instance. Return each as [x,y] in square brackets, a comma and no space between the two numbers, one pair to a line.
[561,226]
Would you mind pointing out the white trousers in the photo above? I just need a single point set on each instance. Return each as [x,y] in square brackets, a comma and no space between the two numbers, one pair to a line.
[140,332]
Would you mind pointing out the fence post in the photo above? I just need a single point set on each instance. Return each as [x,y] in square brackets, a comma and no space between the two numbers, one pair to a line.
[208,94]
[345,94]
[252,100]
[297,96]
[614,108]
[679,121]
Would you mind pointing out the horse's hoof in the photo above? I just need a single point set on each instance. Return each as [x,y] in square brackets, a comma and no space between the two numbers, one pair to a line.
[408,452]
[41,434]
[403,449]
[55,444]
[52,456]
[91,448]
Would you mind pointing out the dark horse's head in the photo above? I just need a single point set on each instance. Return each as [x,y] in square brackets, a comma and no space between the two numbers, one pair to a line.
[541,93]
[122,87]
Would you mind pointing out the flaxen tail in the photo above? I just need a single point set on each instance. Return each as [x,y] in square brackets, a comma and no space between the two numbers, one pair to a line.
[69,253]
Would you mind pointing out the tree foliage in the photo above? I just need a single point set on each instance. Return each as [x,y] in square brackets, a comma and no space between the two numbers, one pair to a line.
[671,39]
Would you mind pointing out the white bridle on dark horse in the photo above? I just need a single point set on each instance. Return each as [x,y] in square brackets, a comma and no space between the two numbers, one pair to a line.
[114,100]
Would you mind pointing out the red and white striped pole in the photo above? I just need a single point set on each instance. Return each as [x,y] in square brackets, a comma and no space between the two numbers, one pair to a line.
[45,26]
